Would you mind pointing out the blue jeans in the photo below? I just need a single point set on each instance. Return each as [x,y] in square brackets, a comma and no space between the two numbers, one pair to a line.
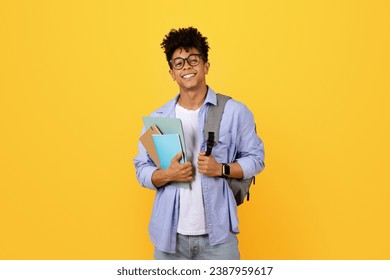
[197,247]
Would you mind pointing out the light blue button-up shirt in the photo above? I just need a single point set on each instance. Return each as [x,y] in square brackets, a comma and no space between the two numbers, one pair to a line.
[238,142]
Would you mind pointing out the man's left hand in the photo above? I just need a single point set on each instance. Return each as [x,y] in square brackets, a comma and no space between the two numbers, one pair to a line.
[207,165]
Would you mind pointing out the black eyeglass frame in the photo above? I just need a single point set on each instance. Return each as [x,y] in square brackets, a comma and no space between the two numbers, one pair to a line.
[184,61]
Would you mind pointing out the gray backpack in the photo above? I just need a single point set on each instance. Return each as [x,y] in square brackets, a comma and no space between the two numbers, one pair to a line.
[240,187]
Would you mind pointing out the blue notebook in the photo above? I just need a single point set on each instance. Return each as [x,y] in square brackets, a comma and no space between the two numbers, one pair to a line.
[168,125]
[167,146]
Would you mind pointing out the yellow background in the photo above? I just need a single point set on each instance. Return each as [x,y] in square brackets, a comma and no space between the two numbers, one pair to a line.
[76,77]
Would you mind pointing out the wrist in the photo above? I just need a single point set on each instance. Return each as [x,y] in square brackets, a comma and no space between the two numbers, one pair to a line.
[168,175]
[220,172]
[160,177]
[225,170]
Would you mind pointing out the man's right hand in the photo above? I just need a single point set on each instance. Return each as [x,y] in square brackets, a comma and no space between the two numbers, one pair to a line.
[176,172]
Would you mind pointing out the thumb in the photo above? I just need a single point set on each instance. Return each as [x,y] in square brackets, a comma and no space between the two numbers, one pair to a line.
[177,157]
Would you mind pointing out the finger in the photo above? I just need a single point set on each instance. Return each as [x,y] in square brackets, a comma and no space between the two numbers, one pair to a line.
[202,171]
[202,158]
[187,164]
[177,157]
[186,176]
[202,153]
[189,172]
[188,179]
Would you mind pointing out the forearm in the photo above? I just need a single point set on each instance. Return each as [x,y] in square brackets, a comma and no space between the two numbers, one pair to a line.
[160,178]
[235,170]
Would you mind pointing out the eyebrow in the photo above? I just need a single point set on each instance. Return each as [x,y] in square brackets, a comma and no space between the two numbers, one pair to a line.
[185,57]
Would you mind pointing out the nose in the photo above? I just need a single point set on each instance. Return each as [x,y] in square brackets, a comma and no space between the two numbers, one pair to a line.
[186,64]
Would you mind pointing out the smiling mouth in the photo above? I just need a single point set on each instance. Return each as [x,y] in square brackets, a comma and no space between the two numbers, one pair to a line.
[188,76]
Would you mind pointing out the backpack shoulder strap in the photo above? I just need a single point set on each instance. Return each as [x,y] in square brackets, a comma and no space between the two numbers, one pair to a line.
[214,117]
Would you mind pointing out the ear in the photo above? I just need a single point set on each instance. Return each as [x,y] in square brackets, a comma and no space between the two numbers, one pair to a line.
[207,67]
[172,73]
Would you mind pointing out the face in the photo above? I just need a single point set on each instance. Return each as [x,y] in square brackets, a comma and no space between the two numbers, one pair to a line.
[190,77]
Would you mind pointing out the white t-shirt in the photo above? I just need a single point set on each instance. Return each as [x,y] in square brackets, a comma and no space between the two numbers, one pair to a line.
[191,210]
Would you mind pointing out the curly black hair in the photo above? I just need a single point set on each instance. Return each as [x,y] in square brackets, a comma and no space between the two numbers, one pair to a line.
[185,38]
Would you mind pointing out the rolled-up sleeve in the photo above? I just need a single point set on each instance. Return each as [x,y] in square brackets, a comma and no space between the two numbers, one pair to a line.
[144,168]
[250,148]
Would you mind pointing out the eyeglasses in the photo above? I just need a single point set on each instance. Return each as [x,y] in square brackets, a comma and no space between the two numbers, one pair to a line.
[178,62]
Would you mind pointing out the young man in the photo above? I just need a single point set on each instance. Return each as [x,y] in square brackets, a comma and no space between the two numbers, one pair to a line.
[200,222]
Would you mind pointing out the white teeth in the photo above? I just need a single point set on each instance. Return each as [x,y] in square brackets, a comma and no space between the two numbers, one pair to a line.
[188,76]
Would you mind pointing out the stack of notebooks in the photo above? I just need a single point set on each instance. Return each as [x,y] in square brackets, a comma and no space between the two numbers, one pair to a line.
[163,140]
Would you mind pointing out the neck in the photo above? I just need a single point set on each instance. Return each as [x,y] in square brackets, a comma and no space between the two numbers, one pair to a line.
[192,99]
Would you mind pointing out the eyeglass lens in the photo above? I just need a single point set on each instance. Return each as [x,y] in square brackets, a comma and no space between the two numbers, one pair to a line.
[192,60]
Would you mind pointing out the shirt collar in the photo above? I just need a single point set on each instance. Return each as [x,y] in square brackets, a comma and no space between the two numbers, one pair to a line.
[169,109]
[211,97]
